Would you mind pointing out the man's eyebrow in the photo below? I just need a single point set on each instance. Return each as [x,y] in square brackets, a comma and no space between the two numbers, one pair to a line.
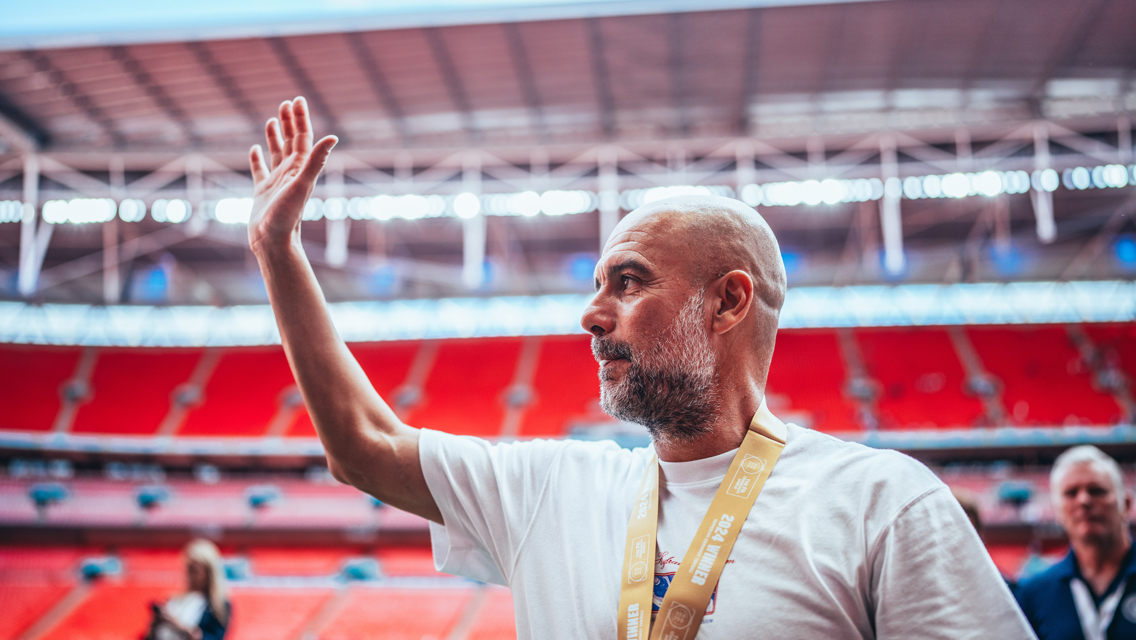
[630,264]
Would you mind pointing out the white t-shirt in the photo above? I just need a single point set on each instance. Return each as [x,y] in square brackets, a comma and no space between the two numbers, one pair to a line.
[187,610]
[843,542]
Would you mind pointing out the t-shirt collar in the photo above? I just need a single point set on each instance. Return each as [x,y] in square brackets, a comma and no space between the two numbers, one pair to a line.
[712,468]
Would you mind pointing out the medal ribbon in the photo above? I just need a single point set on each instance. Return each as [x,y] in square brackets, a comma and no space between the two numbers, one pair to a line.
[690,590]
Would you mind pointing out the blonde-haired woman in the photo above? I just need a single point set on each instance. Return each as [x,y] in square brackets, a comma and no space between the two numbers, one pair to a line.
[202,611]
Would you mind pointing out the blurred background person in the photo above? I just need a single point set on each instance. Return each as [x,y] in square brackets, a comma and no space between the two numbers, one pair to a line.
[202,611]
[1091,594]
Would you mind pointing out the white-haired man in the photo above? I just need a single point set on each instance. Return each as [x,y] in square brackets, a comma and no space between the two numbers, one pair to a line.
[1091,594]
[844,542]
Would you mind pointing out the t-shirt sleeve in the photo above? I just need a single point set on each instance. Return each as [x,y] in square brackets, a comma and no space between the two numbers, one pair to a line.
[933,578]
[488,494]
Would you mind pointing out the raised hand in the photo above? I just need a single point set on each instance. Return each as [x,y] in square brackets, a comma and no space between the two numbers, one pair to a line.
[280,192]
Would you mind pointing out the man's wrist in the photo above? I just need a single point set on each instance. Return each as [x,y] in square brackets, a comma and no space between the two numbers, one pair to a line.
[273,251]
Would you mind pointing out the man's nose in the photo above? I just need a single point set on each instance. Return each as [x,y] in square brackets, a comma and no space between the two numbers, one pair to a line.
[597,319]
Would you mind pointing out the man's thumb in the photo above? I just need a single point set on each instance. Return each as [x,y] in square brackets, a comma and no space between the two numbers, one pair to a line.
[318,158]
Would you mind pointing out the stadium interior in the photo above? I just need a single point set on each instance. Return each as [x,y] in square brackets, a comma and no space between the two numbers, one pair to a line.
[952,183]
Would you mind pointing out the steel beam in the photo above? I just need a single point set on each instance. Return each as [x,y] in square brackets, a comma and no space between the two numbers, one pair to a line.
[751,65]
[601,76]
[19,130]
[338,231]
[890,221]
[526,79]
[156,92]
[71,91]
[608,189]
[304,83]
[30,259]
[474,228]
[1073,43]
[676,36]
[373,71]
[1042,200]
[225,82]
[452,79]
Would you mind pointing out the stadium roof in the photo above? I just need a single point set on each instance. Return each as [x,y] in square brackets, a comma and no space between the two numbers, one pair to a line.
[770,71]
[586,99]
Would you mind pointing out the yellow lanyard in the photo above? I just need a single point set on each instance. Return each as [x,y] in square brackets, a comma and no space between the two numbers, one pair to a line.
[689,593]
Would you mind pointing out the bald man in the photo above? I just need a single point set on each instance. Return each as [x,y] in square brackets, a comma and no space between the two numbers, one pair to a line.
[732,525]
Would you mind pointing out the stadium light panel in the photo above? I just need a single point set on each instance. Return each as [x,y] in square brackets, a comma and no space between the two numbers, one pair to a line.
[335,208]
[79,210]
[131,210]
[11,211]
[233,210]
[956,185]
[466,205]
[175,211]
[829,191]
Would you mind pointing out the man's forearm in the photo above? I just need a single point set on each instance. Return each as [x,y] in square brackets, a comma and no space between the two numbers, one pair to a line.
[348,414]
[367,445]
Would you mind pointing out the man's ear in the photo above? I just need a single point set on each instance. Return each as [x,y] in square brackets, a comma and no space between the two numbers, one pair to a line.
[732,297]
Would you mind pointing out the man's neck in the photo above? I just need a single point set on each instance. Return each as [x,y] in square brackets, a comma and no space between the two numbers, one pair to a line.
[1100,560]
[726,433]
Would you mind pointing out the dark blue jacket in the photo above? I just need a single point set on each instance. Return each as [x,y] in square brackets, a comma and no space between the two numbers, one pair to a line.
[1047,602]
[210,625]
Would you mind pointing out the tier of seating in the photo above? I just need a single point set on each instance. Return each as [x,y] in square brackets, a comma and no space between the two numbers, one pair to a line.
[292,593]
[272,504]
[1005,497]
[830,380]
[1045,380]
[46,599]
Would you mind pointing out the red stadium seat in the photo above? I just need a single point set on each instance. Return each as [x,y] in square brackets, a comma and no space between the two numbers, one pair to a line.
[464,391]
[42,563]
[273,614]
[1045,382]
[496,620]
[397,614]
[921,377]
[386,365]
[111,611]
[407,561]
[243,394]
[297,561]
[806,382]
[566,387]
[1116,343]
[32,581]
[131,389]
[30,381]
[153,566]
[1009,558]
[25,602]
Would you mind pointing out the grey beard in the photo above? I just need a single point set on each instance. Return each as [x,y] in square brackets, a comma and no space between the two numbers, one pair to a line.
[671,388]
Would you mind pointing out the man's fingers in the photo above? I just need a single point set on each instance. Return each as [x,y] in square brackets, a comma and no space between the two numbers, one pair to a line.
[288,123]
[318,159]
[303,124]
[275,142]
[256,163]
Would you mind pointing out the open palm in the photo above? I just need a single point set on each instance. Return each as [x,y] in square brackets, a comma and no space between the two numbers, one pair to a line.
[280,192]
